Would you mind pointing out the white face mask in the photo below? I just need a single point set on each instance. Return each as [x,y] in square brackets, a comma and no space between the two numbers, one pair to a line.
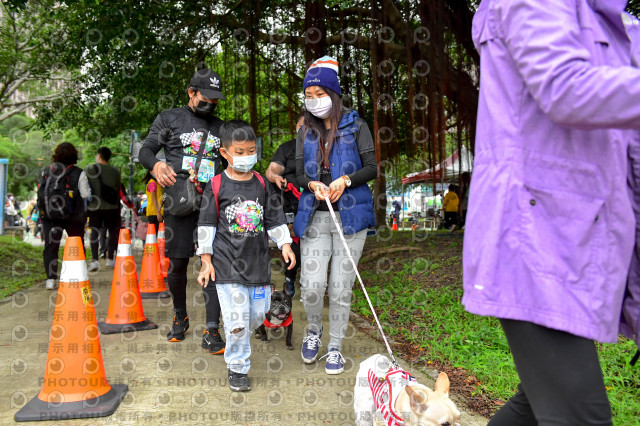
[320,107]
[244,163]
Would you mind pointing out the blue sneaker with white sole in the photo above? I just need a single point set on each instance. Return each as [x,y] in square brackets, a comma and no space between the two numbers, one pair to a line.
[310,346]
[335,362]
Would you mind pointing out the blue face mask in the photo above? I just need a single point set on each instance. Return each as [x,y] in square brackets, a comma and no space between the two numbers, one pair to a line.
[244,163]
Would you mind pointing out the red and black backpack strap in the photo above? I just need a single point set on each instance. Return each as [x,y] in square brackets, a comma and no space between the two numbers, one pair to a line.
[259,176]
[215,188]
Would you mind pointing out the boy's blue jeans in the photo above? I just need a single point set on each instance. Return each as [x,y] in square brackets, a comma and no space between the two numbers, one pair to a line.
[243,307]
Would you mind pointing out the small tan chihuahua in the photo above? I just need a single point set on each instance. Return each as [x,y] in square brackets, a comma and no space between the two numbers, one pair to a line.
[387,396]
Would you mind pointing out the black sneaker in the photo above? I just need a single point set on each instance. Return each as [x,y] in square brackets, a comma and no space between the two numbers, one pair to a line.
[239,382]
[179,327]
[212,341]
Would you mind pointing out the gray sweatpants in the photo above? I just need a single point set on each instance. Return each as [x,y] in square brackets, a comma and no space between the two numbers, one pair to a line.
[320,244]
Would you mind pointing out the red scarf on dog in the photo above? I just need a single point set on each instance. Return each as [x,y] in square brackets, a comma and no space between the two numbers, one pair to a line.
[285,323]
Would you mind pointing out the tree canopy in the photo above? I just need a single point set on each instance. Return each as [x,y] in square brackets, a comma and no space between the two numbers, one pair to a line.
[408,67]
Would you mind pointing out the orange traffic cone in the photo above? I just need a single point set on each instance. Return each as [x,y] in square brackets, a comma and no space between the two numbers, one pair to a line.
[395,225]
[125,306]
[164,261]
[151,276]
[75,384]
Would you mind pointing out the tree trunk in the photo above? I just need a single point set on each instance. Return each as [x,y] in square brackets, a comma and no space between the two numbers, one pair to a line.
[380,184]
[251,83]
[315,30]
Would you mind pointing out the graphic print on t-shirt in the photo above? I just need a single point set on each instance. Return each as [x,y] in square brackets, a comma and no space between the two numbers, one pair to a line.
[245,218]
[191,145]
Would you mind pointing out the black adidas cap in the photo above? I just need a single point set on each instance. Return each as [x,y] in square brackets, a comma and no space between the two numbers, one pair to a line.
[208,83]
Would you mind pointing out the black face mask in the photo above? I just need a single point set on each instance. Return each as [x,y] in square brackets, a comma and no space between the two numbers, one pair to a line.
[204,108]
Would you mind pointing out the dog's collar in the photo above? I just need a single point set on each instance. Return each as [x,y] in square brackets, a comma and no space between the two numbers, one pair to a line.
[285,323]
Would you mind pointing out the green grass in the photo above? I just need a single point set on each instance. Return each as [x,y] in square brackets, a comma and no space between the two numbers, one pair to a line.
[21,265]
[433,320]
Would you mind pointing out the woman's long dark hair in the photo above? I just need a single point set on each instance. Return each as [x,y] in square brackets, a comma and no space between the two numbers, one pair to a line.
[317,126]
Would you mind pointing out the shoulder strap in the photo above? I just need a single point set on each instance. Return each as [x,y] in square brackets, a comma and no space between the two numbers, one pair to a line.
[74,172]
[215,188]
[259,176]
[203,143]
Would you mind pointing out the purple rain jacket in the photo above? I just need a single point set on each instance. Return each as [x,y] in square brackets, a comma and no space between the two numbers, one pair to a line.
[551,230]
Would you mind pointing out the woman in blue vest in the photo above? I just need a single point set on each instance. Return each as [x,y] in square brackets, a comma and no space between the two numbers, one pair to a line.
[335,157]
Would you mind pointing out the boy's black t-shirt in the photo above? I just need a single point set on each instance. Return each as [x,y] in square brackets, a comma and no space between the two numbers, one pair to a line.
[240,247]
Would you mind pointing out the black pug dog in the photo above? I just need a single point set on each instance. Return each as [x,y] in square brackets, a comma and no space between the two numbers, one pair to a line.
[279,315]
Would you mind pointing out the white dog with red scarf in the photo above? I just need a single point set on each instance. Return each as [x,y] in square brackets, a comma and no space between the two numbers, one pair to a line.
[386,395]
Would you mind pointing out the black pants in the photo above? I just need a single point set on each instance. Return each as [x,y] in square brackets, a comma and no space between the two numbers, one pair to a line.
[180,235]
[450,219]
[52,233]
[110,219]
[179,247]
[153,220]
[177,278]
[104,232]
[560,379]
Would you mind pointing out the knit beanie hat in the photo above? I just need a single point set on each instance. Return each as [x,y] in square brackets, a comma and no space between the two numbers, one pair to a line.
[324,73]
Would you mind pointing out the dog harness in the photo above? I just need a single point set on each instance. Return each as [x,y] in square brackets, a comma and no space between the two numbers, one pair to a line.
[285,323]
[385,394]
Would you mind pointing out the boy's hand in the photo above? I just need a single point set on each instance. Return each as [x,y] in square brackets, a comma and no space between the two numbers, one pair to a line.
[206,271]
[288,256]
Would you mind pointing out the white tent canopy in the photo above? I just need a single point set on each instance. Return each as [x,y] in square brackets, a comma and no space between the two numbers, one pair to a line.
[459,162]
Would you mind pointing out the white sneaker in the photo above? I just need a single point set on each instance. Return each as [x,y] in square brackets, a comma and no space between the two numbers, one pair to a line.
[51,284]
[111,263]
[94,266]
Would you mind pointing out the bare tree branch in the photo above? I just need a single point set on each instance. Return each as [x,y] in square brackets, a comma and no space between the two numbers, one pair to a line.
[35,100]
[12,112]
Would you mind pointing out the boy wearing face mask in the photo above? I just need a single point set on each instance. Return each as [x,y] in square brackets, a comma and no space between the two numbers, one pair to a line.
[239,211]
[181,132]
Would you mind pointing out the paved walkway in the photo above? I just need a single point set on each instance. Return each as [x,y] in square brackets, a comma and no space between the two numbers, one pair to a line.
[171,383]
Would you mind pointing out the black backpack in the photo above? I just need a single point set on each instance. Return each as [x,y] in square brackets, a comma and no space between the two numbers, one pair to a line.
[57,197]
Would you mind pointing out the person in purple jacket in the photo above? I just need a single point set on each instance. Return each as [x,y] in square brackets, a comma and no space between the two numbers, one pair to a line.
[549,246]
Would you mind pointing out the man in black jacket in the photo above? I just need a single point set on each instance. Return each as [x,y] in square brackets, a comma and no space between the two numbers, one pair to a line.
[180,132]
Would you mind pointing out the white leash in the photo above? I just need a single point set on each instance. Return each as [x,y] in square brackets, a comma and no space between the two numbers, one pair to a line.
[355,268]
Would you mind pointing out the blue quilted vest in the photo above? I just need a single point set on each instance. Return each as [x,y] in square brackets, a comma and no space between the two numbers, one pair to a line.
[356,204]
